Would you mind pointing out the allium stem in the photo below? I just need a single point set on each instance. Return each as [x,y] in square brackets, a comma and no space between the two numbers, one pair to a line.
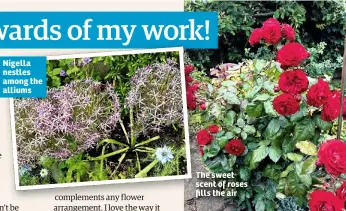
[147,141]
[125,132]
[133,139]
[120,161]
[138,162]
[110,154]
[145,171]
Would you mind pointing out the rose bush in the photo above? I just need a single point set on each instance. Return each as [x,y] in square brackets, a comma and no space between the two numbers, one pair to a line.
[272,121]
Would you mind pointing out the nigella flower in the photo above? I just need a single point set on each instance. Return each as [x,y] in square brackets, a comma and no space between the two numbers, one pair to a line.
[86,60]
[24,169]
[164,154]
[62,73]
[43,173]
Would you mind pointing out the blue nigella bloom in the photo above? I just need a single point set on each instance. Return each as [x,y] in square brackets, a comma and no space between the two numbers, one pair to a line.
[86,61]
[164,154]
[24,169]
[62,73]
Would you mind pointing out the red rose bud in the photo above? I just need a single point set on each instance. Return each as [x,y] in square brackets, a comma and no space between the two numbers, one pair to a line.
[255,36]
[341,192]
[332,154]
[271,31]
[276,89]
[201,150]
[286,104]
[204,137]
[325,201]
[203,106]
[291,55]
[235,147]
[293,82]
[288,32]
[318,93]
[213,128]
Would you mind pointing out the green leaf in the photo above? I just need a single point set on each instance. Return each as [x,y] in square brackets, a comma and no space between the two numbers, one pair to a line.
[254,109]
[231,98]
[295,157]
[236,130]
[213,150]
[304,130]
[260,206]
[217,110]
[272,171]
[249,129]
[251,94]
[222,141]
[244,173]
[261,97]
[287,171]
[217,164]
[269,109]
[56,71]
[73,70]
[229,83]
[272,129]
[243,135]
[294,186]
[307,147]
[275,154]
[260,64]
[260,154]
[300,114]
[229,119]
[288,144]
[240,123]
[309,165]
[323,125]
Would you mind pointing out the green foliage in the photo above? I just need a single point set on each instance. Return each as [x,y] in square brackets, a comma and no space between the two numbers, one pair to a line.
[319,25]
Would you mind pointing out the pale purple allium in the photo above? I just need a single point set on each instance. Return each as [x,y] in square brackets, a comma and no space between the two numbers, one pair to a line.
[86,61]
[62,73]
[157,98]
[70,120]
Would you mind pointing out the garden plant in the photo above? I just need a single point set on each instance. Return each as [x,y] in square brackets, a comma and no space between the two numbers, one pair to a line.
[272,123]
[104,118]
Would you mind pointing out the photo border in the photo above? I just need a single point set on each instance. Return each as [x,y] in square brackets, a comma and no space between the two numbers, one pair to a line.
[120,181]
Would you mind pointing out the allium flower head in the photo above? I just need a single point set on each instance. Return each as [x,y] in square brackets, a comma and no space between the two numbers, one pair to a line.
[86,61]
[70,120]
[43,173]
[157,97]
[164,154]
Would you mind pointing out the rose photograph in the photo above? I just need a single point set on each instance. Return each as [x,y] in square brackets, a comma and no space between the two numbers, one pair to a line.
[269,106]
[107,117]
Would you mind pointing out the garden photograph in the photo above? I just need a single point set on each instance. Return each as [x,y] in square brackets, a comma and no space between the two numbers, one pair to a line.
[268,105]
[116,117]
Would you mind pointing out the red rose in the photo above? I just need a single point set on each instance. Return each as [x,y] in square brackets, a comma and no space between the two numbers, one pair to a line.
[286,104]
[235,147]
[288,32]
[203,106]
[293,82]
[325,201]
[188,79]
[335,94]
[271,31]
[191,101]
[332,154]
[213,128]
[291,55]
[341,192]
[344,109]
[318,93]
[188,69]
[204,137]
[331,109]
[255,36]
